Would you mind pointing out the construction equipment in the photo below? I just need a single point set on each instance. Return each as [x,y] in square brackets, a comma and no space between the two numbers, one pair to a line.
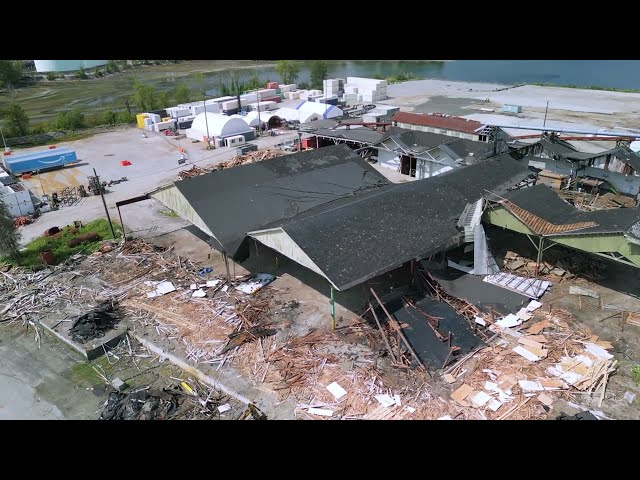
[95,187]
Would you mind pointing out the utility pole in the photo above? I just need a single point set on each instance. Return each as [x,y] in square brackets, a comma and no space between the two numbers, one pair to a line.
[106,210]
[259,123]
[206,121]
[3,140]
[545,115]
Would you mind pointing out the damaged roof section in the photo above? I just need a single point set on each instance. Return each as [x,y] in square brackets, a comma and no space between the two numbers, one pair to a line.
[540,209]
[234,201]
[437,333]
[355,239]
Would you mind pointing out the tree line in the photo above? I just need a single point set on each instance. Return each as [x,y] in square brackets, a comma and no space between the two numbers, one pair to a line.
[15,121]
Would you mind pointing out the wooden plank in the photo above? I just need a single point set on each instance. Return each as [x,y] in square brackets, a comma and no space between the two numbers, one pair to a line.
[545,399]
[461,393]
[539,352]
[536,328]
[530,343]
[449,378]
[551,383]
[384,335]
[537,338]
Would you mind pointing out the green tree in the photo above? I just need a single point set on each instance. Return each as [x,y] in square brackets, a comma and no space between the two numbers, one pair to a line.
[81,74]
[318,73]
[112,67]
[15,119]
[163,99]
[110,117]
[10,72]
[125,117]
[51,76]
[288,71]
[254,83]
[181,93]
[99,73]
[144,97]
[9,235]
[72,120]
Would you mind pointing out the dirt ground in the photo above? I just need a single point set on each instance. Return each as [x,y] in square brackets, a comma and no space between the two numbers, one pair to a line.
[154,161]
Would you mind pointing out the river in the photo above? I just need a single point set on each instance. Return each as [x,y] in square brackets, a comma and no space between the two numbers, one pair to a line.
[623,74]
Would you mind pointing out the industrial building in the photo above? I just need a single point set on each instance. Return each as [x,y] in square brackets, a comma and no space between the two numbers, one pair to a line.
[355,227]
[547,220]
[217,127]
[619,166]
[424,154]
[43,66]
[444,124]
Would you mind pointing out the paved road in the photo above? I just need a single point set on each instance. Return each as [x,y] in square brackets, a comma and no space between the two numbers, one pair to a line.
[34,381]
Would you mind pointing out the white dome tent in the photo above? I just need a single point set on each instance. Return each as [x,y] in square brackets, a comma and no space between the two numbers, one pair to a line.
[251,118]
[219,127]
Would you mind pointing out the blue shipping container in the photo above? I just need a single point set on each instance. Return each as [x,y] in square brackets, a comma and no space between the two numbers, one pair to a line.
[39,161]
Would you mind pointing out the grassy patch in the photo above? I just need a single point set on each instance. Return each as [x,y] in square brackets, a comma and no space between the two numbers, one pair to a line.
[59,244]
[168,213]
[83,373]
[635,374]
[401,77]
[589,87]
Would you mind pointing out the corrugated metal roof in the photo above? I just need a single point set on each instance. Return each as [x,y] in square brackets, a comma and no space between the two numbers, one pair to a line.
[457,124]
[539,225]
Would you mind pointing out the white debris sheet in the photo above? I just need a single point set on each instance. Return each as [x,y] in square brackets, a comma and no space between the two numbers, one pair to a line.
[323,412]
[336,390]
[256,283]
[531,287]
[224,408]
[162,288]
[385,400]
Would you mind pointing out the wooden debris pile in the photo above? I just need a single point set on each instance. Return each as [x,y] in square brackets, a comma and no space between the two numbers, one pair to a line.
[519,375]
[560,263]
[250,157]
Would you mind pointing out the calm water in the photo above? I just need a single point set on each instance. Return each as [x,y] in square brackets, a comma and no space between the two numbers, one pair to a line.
[605,73]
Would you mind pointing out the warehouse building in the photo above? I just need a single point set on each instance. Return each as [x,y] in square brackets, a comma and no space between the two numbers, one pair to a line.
[218,127]
[424,154]
[355,227]
[443,124]
[619,166]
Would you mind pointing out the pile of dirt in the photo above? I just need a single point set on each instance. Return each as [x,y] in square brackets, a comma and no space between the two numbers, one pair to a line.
[97,322]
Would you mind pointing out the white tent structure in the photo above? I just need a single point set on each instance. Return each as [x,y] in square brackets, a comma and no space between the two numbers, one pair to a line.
[251,118]
[291,114]
[322,109]
[219,126]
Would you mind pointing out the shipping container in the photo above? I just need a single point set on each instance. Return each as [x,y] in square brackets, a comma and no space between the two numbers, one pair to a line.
[17,199]
[140,119]
[39,161]
[271,85]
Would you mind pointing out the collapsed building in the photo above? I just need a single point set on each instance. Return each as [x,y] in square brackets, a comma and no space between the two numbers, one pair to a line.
[619,166]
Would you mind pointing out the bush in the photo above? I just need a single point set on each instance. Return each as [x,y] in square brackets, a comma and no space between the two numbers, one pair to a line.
[99,73]
[51,76]
[125,117]
[112,67]
[73,120]
[38,129]
[635,373]
[110,117]
[81,74]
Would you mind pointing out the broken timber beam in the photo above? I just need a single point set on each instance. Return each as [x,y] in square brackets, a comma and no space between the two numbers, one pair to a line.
[384,335]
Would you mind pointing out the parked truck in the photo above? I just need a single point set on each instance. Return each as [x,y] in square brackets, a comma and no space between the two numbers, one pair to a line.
[38,161]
